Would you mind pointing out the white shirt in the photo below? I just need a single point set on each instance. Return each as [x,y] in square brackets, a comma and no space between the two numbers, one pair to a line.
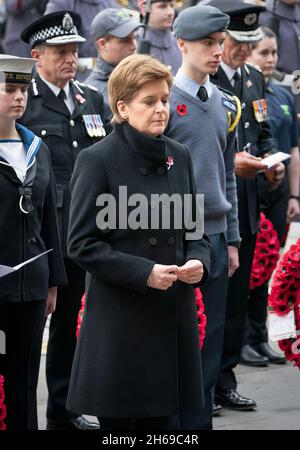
[230,72]
[56,90]
[14,153]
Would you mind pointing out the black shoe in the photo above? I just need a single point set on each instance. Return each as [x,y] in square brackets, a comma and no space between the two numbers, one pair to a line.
[77,423]
[216,409]
[264,349]
[231,399]
[250,357]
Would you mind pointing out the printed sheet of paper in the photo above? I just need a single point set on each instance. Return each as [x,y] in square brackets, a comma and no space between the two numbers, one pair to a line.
[5,270]
[282,327]
[272,160]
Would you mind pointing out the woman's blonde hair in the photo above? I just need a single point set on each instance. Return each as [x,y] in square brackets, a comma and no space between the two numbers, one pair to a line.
[130,75]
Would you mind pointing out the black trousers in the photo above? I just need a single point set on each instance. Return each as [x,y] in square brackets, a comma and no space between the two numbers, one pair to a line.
[146,423]
[214,297]
[237,306]
[62,342]
[23,325]
[274,205]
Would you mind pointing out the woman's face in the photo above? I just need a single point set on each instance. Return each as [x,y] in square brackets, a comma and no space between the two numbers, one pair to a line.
[265,56]
[148,111]
[13,100]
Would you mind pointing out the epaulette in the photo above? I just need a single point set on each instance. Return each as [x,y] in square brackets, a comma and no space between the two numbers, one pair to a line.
[251,66]
[34,87]
[78,84]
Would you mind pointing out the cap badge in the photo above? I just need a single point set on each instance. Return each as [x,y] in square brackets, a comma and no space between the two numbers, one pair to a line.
[67,22]
[250,19]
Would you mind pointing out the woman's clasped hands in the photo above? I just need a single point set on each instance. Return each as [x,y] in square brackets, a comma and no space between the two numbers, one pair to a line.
[163,276]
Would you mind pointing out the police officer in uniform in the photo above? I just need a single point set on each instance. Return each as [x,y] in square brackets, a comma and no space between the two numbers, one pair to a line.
[254,140]
[69,117]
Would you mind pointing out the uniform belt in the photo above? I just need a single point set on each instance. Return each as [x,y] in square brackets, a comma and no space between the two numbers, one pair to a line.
[86,64]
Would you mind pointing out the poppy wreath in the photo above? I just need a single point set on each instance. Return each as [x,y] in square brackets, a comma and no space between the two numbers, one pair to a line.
[201,316]
[2,404]
[80,315]
[266,253]
[285,295]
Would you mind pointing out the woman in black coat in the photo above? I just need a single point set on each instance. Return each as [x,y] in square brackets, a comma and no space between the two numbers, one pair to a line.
[28,228]
[137,360]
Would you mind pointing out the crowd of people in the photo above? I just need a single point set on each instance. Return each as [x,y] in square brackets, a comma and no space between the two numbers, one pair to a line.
[106,101]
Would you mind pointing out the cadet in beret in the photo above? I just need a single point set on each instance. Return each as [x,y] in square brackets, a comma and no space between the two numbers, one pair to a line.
[157,38]
[204,118]
[28,228]
[68,116]
[114,34]
[254,140]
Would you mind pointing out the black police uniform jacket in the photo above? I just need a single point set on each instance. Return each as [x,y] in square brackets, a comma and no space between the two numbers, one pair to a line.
[258,134]
[65,135]
[24,236]
[138,351]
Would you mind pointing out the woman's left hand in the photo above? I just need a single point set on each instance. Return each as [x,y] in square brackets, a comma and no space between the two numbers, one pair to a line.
[191,272]
[51,301]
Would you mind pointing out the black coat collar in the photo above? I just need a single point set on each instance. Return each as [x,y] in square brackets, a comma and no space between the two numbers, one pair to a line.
[152,150]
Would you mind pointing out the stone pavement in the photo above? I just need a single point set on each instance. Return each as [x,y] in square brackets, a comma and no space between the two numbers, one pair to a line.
[275,388]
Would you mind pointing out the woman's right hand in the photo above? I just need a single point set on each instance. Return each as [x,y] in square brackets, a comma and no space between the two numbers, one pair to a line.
[162,277]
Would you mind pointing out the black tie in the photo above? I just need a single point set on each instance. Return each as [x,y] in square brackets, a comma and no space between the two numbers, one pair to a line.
[237,84]
[202,93]
[62,95]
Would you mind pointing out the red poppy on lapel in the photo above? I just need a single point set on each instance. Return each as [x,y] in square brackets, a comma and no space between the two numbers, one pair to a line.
[182,109]
[170,161]
[80,98]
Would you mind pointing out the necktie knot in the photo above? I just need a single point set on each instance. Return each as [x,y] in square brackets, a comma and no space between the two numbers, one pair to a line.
[62,95]
[202,93]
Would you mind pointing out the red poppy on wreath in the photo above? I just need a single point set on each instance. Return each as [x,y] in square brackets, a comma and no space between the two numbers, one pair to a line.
[2,404]
[182,109]
[201,316]
[80,315]
[285,294]
[266,253]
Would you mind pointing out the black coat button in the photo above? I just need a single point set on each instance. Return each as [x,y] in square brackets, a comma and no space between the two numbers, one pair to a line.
[171,240]
[153,241]
[160,170]
[143,171]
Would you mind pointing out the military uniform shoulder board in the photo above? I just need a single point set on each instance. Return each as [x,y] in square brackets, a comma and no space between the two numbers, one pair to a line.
[34,88]
[79,85]
[251,66]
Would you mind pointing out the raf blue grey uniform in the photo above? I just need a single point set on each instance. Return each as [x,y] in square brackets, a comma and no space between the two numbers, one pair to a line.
[254,135]
[66,134]
[206,124]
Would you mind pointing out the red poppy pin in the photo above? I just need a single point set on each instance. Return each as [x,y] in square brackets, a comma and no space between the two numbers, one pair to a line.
[170,162]
[80,98]
[182,109]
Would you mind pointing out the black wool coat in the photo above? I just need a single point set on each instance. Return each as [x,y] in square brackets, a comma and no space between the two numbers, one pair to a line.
[138,351]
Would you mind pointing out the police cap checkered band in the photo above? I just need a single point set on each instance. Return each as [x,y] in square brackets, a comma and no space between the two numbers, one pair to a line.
[57,28]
